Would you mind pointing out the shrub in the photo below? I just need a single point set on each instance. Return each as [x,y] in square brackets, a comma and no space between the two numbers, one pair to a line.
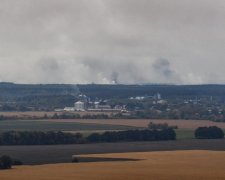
[5,162]
[212,132]
[17,162]
[160,126]
[75,159]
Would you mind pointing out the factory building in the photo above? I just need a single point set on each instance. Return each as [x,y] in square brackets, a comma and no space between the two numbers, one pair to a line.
[79,106]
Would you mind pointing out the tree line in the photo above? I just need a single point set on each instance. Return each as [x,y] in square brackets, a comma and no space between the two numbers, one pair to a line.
[49,138]
[39,138]
[58,116]
[133,135]
[124,91]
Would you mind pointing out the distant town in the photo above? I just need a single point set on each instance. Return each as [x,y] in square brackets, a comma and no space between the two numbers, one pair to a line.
[203,102]
[85,104]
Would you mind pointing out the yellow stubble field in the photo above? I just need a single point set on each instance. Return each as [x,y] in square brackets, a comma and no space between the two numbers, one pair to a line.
[184,165]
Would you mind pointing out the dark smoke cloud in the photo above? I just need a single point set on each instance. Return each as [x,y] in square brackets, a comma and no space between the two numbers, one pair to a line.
[163,68]
[49,64]
[114,77]
[49,70]
[105,41]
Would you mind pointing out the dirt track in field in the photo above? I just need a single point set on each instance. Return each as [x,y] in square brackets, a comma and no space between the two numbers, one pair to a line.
[185,165]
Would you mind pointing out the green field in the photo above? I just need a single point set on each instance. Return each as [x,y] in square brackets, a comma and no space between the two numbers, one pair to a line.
[39,125]
[185,133]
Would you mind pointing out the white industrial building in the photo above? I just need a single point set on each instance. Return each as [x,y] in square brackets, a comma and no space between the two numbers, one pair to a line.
[79,106]
[68,109]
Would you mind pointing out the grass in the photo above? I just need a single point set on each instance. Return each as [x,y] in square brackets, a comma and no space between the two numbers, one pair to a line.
[185,133]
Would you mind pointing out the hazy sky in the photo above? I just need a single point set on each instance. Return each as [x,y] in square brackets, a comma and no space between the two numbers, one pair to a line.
[106,41]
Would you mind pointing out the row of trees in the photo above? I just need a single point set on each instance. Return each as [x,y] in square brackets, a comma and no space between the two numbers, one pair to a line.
[48,138]
[77,116]
[177,113]
[39,138]
[57,116]
[152,134]
[155,126]
[133,135]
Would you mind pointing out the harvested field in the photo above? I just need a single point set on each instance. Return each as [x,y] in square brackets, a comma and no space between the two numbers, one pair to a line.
[45,154]
[182,124]
[184,165]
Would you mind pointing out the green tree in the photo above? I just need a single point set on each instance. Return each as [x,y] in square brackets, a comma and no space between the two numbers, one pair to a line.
[5,162]
[212,132]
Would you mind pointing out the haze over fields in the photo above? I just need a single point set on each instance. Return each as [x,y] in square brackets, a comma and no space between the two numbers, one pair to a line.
[107,41]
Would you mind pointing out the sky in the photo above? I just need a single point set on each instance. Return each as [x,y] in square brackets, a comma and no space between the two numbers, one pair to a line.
[112,41]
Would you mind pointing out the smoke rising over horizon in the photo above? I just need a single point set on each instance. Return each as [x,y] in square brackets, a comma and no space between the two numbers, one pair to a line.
[109,42]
